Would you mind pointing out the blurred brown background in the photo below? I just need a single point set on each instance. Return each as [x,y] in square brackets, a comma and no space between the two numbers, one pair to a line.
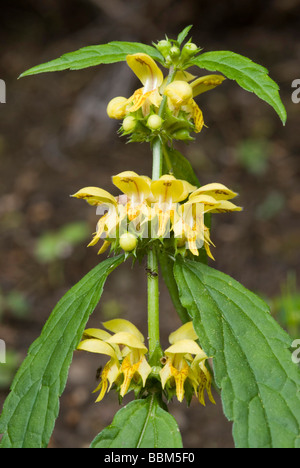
[55,138]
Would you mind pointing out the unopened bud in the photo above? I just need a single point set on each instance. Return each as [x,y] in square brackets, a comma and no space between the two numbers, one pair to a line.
[174,52]
[154,122]
[128,242]
[189,50]
[164,47]
[129,123]
[116,108]
[182,134]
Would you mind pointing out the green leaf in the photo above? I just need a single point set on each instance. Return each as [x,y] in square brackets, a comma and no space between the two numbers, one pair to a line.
[140,424]
[95,55]
[179,166]
[252,364]
[32,406]
[247,74]
[183,34]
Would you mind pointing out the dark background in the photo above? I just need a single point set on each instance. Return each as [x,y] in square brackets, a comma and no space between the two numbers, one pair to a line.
[55,138]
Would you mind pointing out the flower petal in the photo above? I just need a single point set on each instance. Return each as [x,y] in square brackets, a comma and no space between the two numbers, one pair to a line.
[166,373]
[144,67]
[197,116]
[185,332]
[144,370]
[95,196]
[109,374]
[215,190]
[122,325]
[104,247]
[183,347]
[205,83]
[96,333]
[96,346]
[225,206]
[179,76]
[168,188]
[201,199]
[179,92]
[127,339]
[132,184]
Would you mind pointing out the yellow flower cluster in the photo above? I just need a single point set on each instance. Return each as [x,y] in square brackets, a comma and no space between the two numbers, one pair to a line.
[180,93]
[157,209]
[183,367]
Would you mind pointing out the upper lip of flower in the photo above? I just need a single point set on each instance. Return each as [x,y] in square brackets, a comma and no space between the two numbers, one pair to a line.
[147,71]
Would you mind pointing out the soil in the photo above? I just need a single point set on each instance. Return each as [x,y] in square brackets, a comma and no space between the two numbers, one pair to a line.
[55,138]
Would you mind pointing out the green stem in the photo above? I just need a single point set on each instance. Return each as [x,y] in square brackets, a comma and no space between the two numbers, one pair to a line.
[155,351]
[153,304]
[157,148]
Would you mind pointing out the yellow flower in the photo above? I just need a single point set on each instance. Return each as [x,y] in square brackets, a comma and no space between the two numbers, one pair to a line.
[132,205]
[189,219]
[181,95]
[151,77]
[127,352]
[181,369]
[166,192]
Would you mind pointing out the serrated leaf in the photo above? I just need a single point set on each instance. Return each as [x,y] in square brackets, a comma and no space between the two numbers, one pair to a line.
[183,34]
[140,424]
[249,75]
[30,410]
[90,56]
[252,363]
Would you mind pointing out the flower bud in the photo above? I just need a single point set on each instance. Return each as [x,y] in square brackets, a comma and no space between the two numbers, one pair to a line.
[128,242]
[174,52]
[180,92]
[182,134]
[154,122]
[164,47]
[189,50]
[116,108]
[129,123]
